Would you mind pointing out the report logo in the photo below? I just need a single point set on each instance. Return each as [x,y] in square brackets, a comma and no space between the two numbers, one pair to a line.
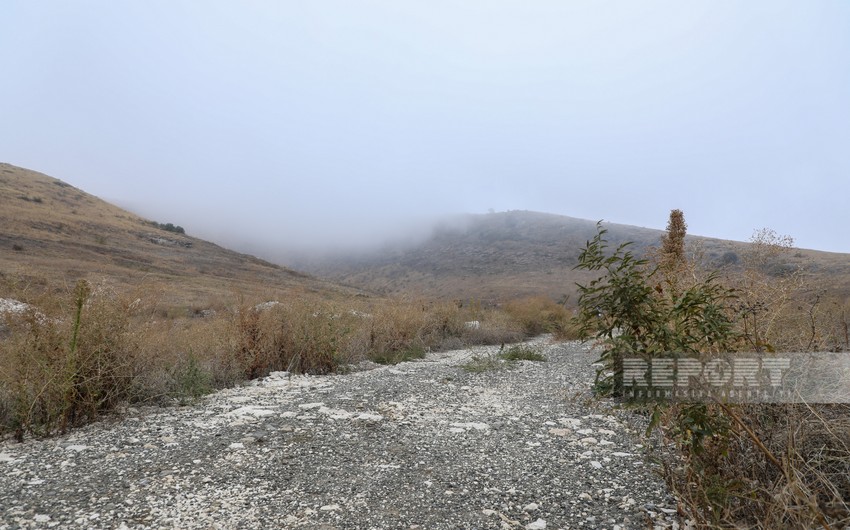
[740,378]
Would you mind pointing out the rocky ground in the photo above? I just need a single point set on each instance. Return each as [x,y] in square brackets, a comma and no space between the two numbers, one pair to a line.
[426,444]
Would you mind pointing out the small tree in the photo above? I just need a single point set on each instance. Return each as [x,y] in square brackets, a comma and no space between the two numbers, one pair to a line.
[632,315]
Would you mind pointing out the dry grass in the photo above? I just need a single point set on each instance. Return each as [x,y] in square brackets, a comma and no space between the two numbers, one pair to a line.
[540,314]
[132,347]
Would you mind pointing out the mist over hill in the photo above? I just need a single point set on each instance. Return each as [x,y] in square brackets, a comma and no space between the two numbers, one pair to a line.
[504,255]
[53,234]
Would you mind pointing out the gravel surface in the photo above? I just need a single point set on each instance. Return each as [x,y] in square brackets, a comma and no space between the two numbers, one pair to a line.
[425,444]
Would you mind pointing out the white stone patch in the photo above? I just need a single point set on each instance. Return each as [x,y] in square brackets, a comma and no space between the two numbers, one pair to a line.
[367,416]
[606,432]
[309,406]
[330,508]
[595,464]
[6,457]
[77,448]
[470,425]
[249,412]
[236,446]
[589,441]
[389,466]
[335,414]
[560,432]
[621,454]
[41,518]
[585,431]
[570,422]
[539,524]
[605,442]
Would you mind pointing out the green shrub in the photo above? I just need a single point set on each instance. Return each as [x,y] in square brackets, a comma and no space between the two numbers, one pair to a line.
[522,352]
[759,466]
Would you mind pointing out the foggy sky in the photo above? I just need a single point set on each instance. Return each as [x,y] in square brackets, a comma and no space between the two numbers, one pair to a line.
[273,124]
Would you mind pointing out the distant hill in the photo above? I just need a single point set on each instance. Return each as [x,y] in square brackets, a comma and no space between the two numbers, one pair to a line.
[499,256]
[52,233]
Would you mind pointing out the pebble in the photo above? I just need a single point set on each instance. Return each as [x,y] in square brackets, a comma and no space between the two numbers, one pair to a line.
[299,452]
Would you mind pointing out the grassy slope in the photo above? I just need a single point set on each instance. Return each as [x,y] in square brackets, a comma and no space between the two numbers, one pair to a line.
[51,232]
[505,255]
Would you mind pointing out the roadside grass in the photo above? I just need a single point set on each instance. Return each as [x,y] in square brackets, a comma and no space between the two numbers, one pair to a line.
[503,359]
[77,353]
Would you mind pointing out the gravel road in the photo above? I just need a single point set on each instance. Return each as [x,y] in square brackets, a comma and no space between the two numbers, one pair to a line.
[425,444]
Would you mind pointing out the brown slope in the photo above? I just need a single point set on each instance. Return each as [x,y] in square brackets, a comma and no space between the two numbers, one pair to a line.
[54,233]
[499,256]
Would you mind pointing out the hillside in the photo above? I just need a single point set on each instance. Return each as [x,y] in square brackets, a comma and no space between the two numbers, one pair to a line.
[54,234]
[498,256]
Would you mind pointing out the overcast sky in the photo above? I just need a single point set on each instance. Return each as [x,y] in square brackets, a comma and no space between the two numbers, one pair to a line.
[272,123]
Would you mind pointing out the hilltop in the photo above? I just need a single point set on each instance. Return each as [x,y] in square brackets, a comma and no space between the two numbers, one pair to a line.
[54,234]
[499,256]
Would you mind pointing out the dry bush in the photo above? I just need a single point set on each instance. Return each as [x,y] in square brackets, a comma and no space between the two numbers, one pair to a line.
[539,314]
[65,368]
[763,466]
[496,327]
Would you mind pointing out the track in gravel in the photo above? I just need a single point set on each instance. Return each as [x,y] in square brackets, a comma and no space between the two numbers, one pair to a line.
[423,444]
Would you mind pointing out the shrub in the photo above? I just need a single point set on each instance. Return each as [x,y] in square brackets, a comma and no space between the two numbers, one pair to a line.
[64,370]
[537,315]
[522,352]
[765,466]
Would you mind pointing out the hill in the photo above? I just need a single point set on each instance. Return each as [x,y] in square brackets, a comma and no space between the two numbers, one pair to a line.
[499,256]
[54,234]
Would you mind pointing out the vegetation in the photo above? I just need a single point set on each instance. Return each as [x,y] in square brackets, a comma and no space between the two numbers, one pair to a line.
[168,227]
[70,357]
[754,466]
[505,358]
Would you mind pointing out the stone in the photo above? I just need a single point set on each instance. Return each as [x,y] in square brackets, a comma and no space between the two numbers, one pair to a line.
[539,524]
[530,507]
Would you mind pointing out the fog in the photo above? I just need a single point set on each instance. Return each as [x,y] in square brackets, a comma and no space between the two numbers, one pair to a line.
[278,126]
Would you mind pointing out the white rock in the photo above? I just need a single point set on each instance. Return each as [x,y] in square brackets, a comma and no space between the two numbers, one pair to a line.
[585,497]
[530,507]
[539,524]
[621,454]
[560,432]
[487,511]
[77,448]
[249,411]
[588,441]
[237,445]
[335,414]
[595,464]
[308,406]
[6,457]
[330,508]
[366,416]
[40,518]
[570,422]
[471,425]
